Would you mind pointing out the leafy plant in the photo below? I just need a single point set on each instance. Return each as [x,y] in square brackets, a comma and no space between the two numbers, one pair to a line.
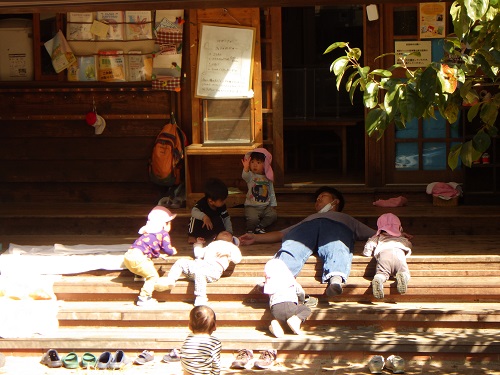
[444,86]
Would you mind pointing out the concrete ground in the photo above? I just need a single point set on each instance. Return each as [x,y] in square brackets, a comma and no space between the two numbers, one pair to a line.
[29,365]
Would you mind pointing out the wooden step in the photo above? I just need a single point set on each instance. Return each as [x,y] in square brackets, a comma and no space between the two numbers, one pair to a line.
[121,219]
[321,338]
[389,316]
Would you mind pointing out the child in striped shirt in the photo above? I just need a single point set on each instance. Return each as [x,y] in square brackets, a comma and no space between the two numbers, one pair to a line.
[200,353]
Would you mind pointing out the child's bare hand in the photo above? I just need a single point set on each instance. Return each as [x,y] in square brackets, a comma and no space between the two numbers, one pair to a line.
[246,163]
[247,239]
[207,222]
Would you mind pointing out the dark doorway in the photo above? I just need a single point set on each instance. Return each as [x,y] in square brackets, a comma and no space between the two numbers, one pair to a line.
[324,139]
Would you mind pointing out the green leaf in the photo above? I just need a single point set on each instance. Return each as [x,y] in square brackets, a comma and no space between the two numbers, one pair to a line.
[454,156]
[468,154]
[476,8]
[489,113]
[472,112]
[381,72]
[370,96]
[335,46]
[352,91]
[376,121]
[451,112]
[350,80]
[428,84]
[354,53]
[339,65]
[363,71]
[481,141]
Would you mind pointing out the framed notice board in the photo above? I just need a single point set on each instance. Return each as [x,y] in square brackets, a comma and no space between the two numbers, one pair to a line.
[225,62]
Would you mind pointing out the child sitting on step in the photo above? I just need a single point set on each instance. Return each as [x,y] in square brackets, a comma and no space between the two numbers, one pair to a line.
[154,239]
[209,215]
[207,267]
[200,353]
[286,298]
[390,246]
[260,199]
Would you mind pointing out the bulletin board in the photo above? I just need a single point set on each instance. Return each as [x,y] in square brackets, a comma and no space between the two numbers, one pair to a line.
[225,62]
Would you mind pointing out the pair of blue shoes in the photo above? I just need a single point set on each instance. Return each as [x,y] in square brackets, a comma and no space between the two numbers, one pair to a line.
[116,361]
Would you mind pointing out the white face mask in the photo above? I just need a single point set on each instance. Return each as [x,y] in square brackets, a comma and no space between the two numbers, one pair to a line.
[327,208]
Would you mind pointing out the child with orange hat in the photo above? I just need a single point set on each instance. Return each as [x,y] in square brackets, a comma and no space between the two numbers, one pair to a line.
[154,240]
[390,246]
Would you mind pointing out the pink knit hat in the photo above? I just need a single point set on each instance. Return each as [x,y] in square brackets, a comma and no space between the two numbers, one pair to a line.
[268,170]
[157,219]
[389,223]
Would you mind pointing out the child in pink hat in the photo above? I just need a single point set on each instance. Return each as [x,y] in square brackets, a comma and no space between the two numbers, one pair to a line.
[154,240]
[260,200]
[390,246]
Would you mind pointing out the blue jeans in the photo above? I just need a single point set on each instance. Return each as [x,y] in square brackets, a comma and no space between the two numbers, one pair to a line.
[332,241]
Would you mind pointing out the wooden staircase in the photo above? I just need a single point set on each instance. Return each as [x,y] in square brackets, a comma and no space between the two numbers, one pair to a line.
[450,315]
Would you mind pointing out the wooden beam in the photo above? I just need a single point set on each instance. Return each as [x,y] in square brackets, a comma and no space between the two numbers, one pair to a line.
[35,6]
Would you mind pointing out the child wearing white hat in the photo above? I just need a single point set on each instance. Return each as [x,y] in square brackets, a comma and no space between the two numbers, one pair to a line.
[208,266]
[390,246]
[154,240]
[286,298]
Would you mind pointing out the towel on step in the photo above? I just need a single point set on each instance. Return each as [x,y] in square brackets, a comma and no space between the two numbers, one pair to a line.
[391,202]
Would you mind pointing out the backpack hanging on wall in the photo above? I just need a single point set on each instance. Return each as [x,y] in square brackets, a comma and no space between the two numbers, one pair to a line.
[165,166]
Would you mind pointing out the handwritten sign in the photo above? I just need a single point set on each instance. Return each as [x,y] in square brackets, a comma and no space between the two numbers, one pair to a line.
[225,62]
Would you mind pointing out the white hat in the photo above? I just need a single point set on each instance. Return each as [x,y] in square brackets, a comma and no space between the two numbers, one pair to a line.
[157,219]
[93,119]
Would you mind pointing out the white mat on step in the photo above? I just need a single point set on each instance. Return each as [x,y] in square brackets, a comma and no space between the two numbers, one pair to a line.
[61,259]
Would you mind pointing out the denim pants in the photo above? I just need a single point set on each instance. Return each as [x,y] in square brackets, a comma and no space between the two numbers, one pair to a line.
[333,242]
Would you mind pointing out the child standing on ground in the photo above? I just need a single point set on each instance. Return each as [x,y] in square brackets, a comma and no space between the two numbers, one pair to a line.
[390,246]
[209,215]
[200,353]
[211,261]
[260,199]
[154,240]
[286,298]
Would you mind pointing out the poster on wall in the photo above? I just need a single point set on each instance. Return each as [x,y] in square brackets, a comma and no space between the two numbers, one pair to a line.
[413,61]
[225,62]
[432,20]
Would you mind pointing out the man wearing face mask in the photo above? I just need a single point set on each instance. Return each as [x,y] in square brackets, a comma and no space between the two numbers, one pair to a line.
[329,233]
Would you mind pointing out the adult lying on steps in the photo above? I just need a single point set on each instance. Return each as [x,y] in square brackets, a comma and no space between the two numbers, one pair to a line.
[329,233]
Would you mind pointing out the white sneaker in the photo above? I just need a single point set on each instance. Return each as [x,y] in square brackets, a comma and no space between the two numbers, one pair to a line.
[402,279]
[294,323]
[396,364]
[378,286]
[276,329]
[376,364]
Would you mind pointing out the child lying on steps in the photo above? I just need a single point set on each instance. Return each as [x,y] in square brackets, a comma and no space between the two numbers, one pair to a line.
[211,261]
[286,298]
